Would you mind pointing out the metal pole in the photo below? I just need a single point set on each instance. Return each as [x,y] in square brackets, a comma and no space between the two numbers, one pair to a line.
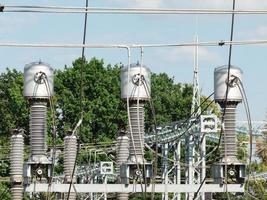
[165,169]
[203,162]
[105,182]
[190,162]
[178,167]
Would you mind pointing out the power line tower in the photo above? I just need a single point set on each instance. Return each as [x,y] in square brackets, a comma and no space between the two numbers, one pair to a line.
[196,142]
[195,108]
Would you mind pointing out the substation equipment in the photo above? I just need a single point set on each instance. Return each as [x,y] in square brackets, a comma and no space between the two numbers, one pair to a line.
[133,172]
[38,90]
[229,169]
[135,90]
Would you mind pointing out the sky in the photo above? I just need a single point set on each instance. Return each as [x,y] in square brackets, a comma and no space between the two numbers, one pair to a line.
[177,62]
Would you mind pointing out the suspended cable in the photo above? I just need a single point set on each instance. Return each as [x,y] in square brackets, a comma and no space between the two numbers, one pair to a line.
[99,46]
[247,109]
[81,95]
[51,102]
[129,116]
[105,10]
[226,97]
[141,139]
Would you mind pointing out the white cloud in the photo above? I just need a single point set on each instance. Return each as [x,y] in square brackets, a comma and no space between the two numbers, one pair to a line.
[186,54]
[259,32]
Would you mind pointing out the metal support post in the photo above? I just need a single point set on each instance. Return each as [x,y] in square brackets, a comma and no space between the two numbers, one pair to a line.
[177,156]
[203,163]
[190,162]
[165,168]
[105,182]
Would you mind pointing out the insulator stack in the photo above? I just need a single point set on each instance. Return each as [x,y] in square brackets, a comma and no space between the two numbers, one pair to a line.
[122,150]
[38,89]
[70,152]
[38,118]
[122,156]
[229,139]
[17,192]
[229,103]
[16,164]
[137,117]
[135,88]
[16,155]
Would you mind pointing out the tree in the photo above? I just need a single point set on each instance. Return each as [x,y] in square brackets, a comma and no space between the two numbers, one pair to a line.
[103,110]
[13,107]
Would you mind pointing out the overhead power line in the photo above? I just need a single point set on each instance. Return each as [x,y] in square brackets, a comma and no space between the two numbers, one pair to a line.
[104,10]
[185,44]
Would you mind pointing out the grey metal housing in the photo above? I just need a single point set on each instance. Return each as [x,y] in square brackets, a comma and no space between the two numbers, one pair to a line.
[131,86]
[220,85]
[38,80]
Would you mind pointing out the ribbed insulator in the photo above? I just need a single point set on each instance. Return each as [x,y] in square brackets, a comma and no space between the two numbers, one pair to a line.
[137,115]
[122,196]
[38,115]
[229,137]
[16,155]
[70,151]
[122,149]
[122,156]
[16,192]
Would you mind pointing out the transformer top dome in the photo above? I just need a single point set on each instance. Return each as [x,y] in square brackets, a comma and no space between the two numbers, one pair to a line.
[220,84]
[136,84]
[38,81]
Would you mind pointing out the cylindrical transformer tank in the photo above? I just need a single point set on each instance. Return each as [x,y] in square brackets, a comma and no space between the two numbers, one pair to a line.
[38,81]
[220,84]
[137,84]
[16,156]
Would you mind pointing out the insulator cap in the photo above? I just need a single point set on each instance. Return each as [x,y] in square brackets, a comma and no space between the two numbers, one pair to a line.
[220,84]
[133,88]
[38,81]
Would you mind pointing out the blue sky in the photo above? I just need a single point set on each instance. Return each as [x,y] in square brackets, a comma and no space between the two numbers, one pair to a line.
[177,62]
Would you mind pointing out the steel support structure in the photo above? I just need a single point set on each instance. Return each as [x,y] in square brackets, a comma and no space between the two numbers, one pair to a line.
[165,149]
[203,162]
[190,161]
[177,177]
[134,188]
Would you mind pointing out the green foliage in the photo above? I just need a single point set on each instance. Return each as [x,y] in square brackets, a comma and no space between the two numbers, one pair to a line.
[257,189]
[4,190]
[103,109]
[172,101]
[13,106]
[242,152]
